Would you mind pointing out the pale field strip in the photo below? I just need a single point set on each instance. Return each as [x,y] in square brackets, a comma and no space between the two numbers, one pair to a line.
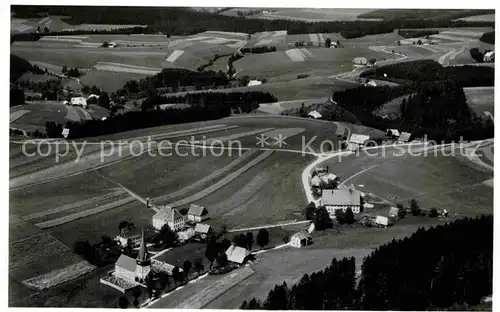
[263,42]
[214,290]
[21,27]
[453,38]
[59,276]
[85,213]
[237,45]
[61,39]
[225,181]
[314,38]
[429,48]
[217,40]
[479,18]
[214,175]
[463,33]
[86,202]
[93,161]
[174,56]
[306,52]
[280,33]
[85,44]
[100,27]
[135,43]
[295,55]
[125,68]
[17,114]
[239,34]
[236,136]
[444,59]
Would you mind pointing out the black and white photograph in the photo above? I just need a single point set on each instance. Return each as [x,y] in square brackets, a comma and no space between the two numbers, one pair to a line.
[250,158]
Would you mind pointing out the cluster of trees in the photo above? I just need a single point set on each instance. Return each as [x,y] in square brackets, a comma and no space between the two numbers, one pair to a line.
[415,33]
[144,119]
[211,62]
[333,288]
[100,254]
[72,72]
[434,269]
[16,96]
[19,66]
[429,70]
[301,76]
[246,240]
[47,32]
[233,58]
[170,77]
[488,37]
[319,215]
[51,89]
[186,22]
[417,14]
[259,49]
[242,101]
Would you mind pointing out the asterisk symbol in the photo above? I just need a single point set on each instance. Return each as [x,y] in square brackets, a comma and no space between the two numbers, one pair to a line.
[262,140]
[280,140]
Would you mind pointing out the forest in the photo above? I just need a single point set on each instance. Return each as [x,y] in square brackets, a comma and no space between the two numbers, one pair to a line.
[182,21]
[117,31]
[415,33]
[436,109]
[448,266]
[429,70]
[434,14]
[488,37]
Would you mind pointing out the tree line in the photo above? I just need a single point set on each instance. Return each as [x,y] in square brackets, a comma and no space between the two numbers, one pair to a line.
[433,269]
[183,21]
[134,120]
[19,66]
[488,37]
[259,49]
[431,71]
[242,101]
[415,33]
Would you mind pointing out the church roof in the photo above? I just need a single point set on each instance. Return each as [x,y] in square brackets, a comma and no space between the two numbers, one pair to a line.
[125,262]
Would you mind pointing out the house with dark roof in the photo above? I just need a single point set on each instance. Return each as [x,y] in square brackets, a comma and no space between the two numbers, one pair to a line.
[127,236]
[170,216]
[341,198]
[237,254]
[300,239]
[197,213]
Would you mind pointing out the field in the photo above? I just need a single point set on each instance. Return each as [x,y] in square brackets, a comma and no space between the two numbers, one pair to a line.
[304,14]
[478,18]
[33,116]
[481,100]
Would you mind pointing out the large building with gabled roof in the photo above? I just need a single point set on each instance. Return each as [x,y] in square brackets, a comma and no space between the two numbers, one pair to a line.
[170,216]
[197,213]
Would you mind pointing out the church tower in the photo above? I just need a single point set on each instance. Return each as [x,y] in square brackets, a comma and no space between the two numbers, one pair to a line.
[143,261]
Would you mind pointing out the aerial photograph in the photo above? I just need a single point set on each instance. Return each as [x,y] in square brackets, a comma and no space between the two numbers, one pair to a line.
[258,158]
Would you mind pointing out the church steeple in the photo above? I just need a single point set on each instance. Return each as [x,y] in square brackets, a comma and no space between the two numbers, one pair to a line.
[143,255]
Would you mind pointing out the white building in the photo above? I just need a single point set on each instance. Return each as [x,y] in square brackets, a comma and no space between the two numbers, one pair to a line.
[170,216]
[371,83]
[134,269]
[237,254]
[360,61]
[357,141]
[404,137]
[300,239]
[79,101]
[392,132]
[197,213]
[489,56]
[314,114]
[341,199]
[393,212]
[382,221]
[202,230]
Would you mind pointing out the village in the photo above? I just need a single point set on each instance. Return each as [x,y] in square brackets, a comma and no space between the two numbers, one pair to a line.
[138,265]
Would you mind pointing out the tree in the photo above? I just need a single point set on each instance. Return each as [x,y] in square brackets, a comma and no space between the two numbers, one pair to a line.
[176,275]
[187,267]
[136,292]
[103,100]
[167,236]
[240,240]
[223,229]
[125,224]
[250,240]
[64,69]
[340,216]
[95,90]
[286,239]
[46,29]
[372,61]
[277,299]
[419,42]
[415,208]
[349,216]
[323,220]
[211,251]
[225,244]
[309,211]
[85,89]
[198,265]
[433,213]
[221,260]
[401,211]
[476,55]
[105,44]
[123,302]
[164,280]
[262,238]
[328,42]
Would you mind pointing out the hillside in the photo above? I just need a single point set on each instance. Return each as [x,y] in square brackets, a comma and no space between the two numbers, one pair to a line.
[440,14]
[19,66]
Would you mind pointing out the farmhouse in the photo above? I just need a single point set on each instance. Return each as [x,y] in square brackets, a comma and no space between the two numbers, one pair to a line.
[342,198]
[356,141]
[299,239]
[197,213]
[237,254]
[393,212]
[489,56]
[371,83]
[202,230]
[316,181]
[382,221]
[79,101]
[404,137]
[125,237]
[360,61]
[314,114]
[170,216]
[392,132]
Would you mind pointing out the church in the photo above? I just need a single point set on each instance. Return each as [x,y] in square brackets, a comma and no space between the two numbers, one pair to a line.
[134,269]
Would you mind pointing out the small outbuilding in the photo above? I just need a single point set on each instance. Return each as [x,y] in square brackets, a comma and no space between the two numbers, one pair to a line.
[314,114]
[197,213]
[404,137]
[300,239]
[237,254]
[202,230]
[393,212]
